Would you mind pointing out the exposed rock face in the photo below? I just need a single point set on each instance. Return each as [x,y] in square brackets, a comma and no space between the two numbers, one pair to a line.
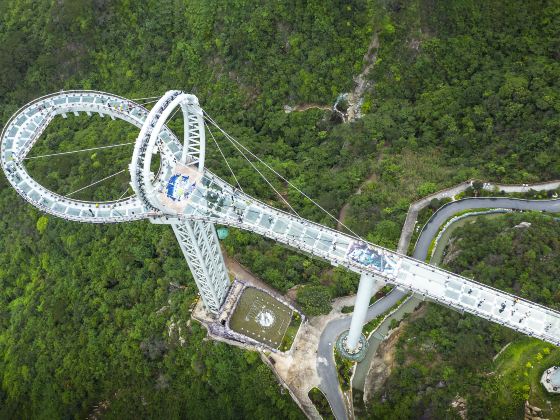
[383,362]
[288,109]
[460,405]
[532,412]
[352,108]
[381,365]
[355,98]
[452,252]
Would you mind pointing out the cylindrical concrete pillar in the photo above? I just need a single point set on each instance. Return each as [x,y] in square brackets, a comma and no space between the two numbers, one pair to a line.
[367,287]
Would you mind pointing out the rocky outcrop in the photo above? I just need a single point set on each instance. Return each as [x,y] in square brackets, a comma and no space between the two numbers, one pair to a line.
[460,405]
[532,412]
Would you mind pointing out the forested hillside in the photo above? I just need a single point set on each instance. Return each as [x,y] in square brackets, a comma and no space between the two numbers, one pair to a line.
[459,89]
[445,356]
[86,310]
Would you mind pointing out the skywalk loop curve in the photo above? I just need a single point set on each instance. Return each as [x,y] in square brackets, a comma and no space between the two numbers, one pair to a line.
[181,192]
[25,127]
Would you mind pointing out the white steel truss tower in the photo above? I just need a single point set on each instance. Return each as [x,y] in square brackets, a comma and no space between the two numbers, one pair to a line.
[192,199]
[200,246]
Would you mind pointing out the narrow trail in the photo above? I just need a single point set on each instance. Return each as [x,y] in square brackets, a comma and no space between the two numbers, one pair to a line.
[346,207]
[344,210]
[305,107]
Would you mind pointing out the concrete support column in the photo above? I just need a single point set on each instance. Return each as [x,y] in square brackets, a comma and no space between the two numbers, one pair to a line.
[367,287]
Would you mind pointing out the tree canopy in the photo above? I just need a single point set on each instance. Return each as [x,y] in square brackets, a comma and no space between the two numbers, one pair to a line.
[459,89]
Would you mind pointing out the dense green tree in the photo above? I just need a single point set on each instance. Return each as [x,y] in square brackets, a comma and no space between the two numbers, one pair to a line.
[460,89]
[314,300]
[443,353]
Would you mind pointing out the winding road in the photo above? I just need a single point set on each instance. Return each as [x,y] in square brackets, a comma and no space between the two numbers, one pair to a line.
[431,228]
[326,366]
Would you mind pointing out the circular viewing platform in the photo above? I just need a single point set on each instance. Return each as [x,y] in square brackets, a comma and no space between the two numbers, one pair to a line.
[551,379]
[356,354]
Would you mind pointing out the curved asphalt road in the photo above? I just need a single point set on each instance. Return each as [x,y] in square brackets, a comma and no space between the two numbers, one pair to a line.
[431,228]
[326,366]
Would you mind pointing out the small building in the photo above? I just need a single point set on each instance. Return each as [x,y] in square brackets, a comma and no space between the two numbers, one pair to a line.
[551,379]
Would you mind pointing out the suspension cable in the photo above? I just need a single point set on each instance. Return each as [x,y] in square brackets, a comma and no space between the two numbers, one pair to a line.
[234,142]
[147,102]
[263,177]
[95,183]
[267,181]
[122,195]
[258,212]
[222,153]
[79,151]
[141,99]
[119,199]
[177,110]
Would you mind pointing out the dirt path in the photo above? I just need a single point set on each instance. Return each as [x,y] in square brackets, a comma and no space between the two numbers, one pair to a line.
[305,107]
[344,210]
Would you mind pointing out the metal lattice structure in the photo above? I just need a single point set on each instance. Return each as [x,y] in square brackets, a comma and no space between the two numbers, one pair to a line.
[192,199]
[199,243]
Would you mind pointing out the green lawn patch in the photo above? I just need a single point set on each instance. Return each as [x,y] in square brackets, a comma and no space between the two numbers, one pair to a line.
[344,369]
[291,332]
[321,403]
[262,317]
[518,372]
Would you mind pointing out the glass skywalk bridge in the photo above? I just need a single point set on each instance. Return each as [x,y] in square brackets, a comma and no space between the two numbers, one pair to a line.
[191,199]
[216,201]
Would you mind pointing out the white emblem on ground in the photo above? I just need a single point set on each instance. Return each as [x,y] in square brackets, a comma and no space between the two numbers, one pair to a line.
[265,318]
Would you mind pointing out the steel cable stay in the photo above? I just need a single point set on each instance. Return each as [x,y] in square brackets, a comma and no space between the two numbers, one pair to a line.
[96,182]
[148,102]
[79,151]
[263,177]
[224,157]
[177,110]
[249,210]
[122,195]
[119,199]
[212,205]
[147,98]
[235,142]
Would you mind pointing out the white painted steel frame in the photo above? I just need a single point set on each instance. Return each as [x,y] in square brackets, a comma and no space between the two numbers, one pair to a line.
[23,130]
[25,127]
[215,201]
[143,181]
[200,246]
